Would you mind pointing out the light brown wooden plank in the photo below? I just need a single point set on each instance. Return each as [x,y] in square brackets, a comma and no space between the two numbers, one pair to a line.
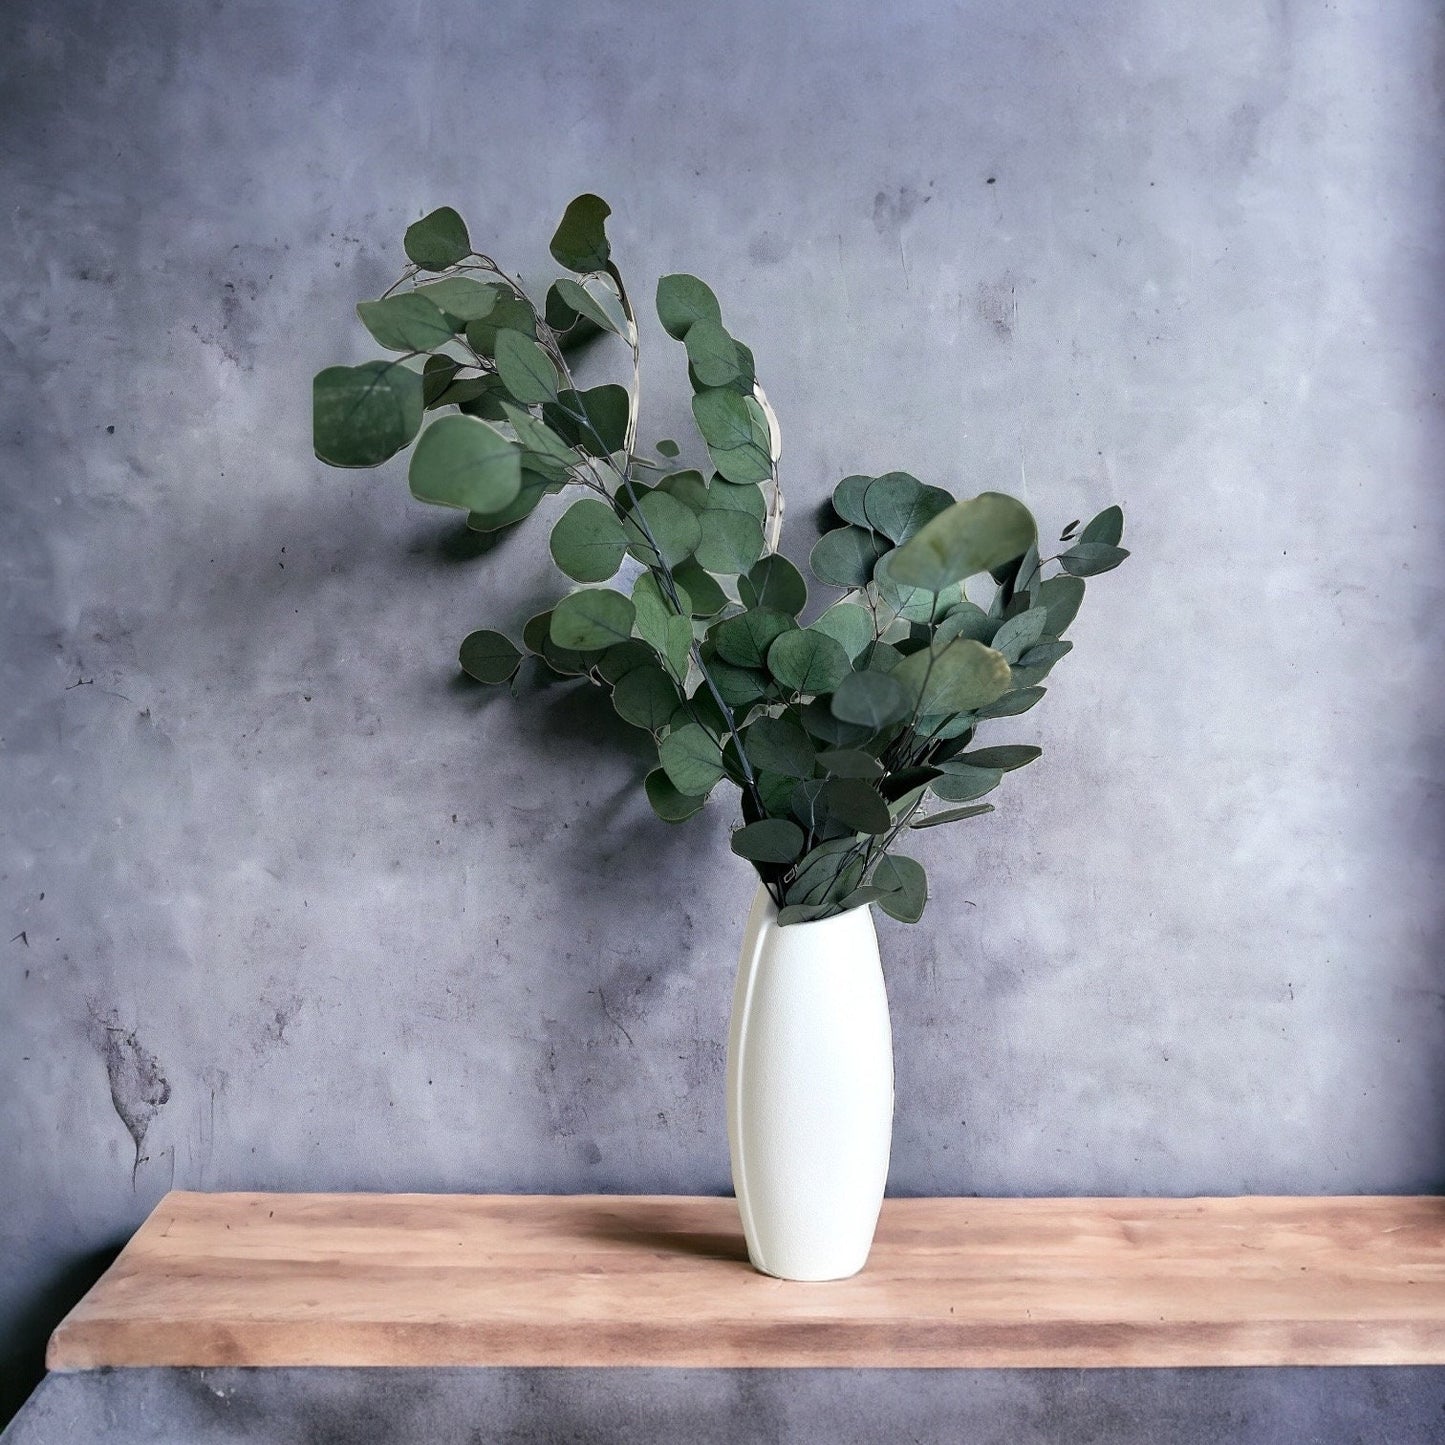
[356,1279]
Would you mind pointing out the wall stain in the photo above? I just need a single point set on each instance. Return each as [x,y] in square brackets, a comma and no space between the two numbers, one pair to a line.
[997,305]
[139,1089]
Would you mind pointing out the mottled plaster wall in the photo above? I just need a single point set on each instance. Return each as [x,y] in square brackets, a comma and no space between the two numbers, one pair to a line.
[292,908]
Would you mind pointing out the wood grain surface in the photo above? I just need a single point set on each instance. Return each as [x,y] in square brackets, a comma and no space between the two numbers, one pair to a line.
[415,1279]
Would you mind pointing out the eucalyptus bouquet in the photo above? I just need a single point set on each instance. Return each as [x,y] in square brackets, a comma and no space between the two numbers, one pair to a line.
[839,733]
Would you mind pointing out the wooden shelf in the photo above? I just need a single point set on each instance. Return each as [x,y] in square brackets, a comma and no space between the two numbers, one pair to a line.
[414,1279]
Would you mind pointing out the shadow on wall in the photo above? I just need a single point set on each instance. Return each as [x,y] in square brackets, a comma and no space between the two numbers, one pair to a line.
[26,1333]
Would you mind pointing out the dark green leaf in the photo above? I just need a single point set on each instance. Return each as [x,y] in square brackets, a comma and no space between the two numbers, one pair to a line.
[905,886]
[770,840]
[667,448]
[739,686]
[736,432]
[692,759]
[708,599]
[1012,703]
[1036,664]
[593,618]
[1088,559]
[361,415]
[871,700]
[646,697]
[682,300]
[661,626]
[731,541]
[489,657]
[618,661]
[826,874]
[438,240]
[669,804]
[1061,596]
[580,240]
[897,504]
[848,498]
[857,804]
[712,353]
[804,661]
[952,815]
[663,521]
[1005,758]
[966,619]
[461,297]
[1107,527]
[726,496]
[588,542]
[957,677]
[851,763]
[970,537]
[578,299]
[779,746]
[845,557]
[510,312]
[912,604]
[1020,633]
[436,377]
[408,322]
[525,369]
[744,640]
[534,488]
[848,624]
[462,462]
[603,410]
[688,487]
[773,582]
[962,784]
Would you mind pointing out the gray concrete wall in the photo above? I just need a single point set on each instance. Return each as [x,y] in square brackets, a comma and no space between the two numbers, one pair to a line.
[286,907]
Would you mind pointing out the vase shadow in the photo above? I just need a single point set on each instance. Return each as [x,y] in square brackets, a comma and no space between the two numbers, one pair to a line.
[655,1230]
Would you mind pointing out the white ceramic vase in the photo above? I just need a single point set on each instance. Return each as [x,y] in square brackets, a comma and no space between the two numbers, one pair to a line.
[810,1092]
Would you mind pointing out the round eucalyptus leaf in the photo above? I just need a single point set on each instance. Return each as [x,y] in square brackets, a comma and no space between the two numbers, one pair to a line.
[536,630]
[833,731]
[646,697]
[461,297]
[578,299]
[773,582]
[826,874]
[704,593]
[595,420]
[912,604]
[1107,527]
[588,542]
[806,804]
[730,543]
[780,746]
[1005,758]
[804,661]
[846,556]
[489,657]
[1036,664]
[509,312]
[580,240]
[1021,699]
[969,537]
[682,300]
[669,804]
[436,377]
[744,640]
[870,699]
[905,886]
[438,240]
[618,661]
[857,804]
[1020,633]
[769,840]
[691,759]
[712,353]
[460,461]
[663,521]
[526,370]
[593,618]
[736,432]
[850,763]
[966,619]
[898,505]
[728,496]
[846,623]
[1061,596]
[848,498]
[688,487]
[407,322]
[667,448]
[957,677]
[362,415]
[960,783]
[1088,559]
[533,489]
[774,790]
[740,686]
